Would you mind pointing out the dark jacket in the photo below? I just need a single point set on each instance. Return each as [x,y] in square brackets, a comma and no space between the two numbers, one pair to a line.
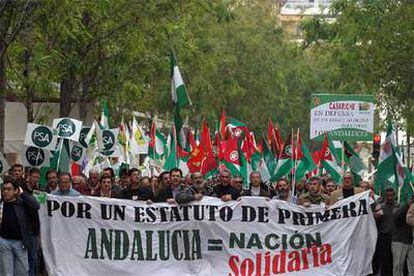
[164,194]
[26,208]
[264,191]
[220,190]
[186,193]
[402,231]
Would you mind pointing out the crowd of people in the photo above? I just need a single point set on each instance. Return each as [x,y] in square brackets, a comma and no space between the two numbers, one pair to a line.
[20,252]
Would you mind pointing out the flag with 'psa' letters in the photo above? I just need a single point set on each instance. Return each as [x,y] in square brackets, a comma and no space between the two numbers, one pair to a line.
[40,136]
[68,128]
[35,157]
[77,153]
[107,139]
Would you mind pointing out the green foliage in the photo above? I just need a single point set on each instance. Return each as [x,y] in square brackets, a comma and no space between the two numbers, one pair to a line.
[370,46]
[232,56]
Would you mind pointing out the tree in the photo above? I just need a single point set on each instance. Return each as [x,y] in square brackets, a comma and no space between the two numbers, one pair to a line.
[14,16]
[370,49]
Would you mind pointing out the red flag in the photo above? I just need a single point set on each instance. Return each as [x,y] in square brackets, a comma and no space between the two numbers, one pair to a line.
[288,150]
[223,124]
[191,140]
[195,160]
[325,153]
[230,153]
[151,143]
[248,146]
[298,150]
[274,138]
[209,161]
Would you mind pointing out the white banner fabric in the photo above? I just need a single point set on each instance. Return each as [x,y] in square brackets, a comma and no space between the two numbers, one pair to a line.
[253,236]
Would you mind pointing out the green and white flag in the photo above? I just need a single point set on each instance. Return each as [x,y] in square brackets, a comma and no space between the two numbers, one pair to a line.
[172,160]
[305,163]
[104,124]
[329,160]
[4,165]
[178,90]
[354,162]
[269,158]
[68,128]
[391,171]
[40,136]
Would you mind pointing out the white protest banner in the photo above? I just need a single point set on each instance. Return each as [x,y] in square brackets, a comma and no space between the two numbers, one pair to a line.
[4,165]
[35,157]
[68,128]
[40,136]
[253,236]
[345,117]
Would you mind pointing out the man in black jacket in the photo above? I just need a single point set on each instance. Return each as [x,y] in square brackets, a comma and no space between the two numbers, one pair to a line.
[224,190]
[257,187]
[18,209]
[402,239]
[169,189]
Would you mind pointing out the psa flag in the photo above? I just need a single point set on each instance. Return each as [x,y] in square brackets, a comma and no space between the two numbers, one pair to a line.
[40,136]
[35,157]
[107,139]
[77,153]
[68,128]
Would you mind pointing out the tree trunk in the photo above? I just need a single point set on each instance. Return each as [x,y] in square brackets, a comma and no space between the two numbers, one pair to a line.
[67,88]
[408,161]
[29,89]
[2,93]
[83,105]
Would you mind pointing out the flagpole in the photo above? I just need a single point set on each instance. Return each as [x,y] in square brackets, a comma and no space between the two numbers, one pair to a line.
[399,194]
[292,160]
[295,164]
[60,153]
[343,155]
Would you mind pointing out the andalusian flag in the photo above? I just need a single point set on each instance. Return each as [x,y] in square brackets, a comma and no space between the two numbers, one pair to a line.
[105,116]
[268,158]
[178,90]
[329,160]
[171,161]
[178,122]
[305,163]
[354,162]
[156,146]
[176,157]
[391,171]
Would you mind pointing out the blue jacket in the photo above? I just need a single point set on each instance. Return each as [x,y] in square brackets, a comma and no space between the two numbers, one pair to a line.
[71,192]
